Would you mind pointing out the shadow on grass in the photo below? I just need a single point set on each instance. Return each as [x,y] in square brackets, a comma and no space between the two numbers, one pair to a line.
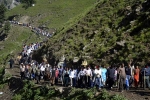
[15,84]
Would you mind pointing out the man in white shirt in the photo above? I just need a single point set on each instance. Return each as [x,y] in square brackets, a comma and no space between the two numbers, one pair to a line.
[71,75]
[88,76]
[98,77]
[81,76]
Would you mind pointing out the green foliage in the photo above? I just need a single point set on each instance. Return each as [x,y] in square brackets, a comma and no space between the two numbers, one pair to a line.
[53,13]
[104,95]
[16,37]
[2,13]
[28,3]
[17,97]
[3,77]
[51,93]
[111,31]
[118,97]
[7,27]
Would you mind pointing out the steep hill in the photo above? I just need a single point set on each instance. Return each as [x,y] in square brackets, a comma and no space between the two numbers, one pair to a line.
[14,41]
[111,31]
[52,13]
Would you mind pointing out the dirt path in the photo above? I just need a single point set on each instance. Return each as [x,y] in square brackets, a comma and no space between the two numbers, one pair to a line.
[133,94]
[15,84]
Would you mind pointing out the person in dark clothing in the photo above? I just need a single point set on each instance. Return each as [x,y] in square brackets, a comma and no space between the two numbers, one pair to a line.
[111,76]
[128,76]
[38,74]
[146,74]
[11,63]
[66,77]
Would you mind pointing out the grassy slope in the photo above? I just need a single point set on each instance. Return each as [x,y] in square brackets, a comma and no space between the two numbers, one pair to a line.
[103,27]
[17,36]
[54,14]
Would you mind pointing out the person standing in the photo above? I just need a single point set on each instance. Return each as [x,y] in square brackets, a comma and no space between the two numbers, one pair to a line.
[53,76]
[66,77]
[122,77]
[128,71]
[71,75]
[11,63]
[81,76]
[88,76]
[56,75]
[98,79]
[103,73]
[38,72]
[22,71]
[111,76]
[136,76]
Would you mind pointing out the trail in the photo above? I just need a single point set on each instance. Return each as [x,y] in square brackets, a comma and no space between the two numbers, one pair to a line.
[132,94]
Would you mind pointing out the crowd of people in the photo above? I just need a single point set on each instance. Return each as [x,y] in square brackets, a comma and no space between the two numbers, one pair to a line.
[36,30]
[88,76]
[120,75]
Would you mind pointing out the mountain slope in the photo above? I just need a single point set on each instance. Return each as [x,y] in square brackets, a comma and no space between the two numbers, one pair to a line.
[112,31]
[16,38]
[52,13]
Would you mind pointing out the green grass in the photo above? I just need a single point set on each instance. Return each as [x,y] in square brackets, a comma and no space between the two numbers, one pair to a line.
[15,40]
[53,14]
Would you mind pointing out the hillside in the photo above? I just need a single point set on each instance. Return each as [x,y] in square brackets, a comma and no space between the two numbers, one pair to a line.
[111,31]
[10,4]
[13,43]
[51,13]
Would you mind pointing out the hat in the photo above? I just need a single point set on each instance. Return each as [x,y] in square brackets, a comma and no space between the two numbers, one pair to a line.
[84,63]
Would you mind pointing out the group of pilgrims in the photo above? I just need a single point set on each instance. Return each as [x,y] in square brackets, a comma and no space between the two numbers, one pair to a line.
[120,75]
[36,30]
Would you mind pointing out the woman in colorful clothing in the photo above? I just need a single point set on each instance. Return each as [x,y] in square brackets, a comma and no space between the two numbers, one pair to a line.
[103,73]
[136,76]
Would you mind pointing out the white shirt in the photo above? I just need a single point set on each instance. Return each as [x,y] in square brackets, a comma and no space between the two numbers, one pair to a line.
[22,68]
[42,68]
[72,74]
[88,72]
[81,73]
[98,72]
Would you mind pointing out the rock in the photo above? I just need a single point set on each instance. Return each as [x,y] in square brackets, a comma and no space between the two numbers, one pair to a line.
[1,93]
[128,7]
[121,43]
[132,22]
[60,89]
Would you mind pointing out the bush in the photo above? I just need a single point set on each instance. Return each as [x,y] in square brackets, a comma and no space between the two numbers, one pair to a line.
[118,97]
[7,27]
[17,97]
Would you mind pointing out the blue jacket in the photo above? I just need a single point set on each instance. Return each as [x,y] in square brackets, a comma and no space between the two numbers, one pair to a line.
[147,71]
